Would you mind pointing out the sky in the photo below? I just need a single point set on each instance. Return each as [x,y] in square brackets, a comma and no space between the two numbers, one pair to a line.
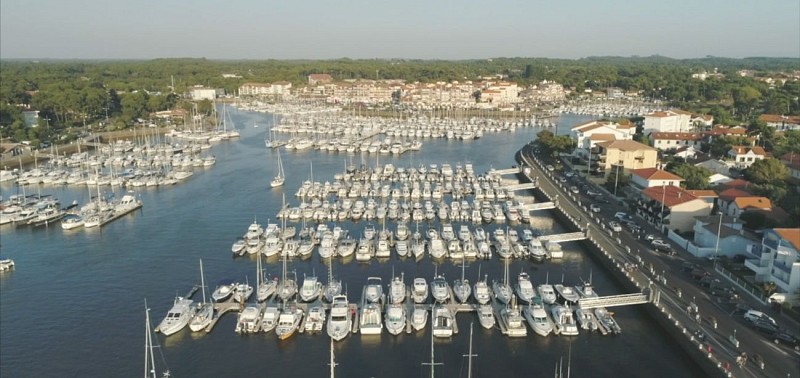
[431,29]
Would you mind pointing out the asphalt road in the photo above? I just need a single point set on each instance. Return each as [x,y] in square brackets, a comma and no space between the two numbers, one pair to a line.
[664,272]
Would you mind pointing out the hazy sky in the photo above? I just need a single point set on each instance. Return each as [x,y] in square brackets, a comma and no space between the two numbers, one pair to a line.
[443,29]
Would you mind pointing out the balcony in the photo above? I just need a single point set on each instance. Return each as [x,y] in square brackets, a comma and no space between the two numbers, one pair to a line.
[782,266]
[757,266]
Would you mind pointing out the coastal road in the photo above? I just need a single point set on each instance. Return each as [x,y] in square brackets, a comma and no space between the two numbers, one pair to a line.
[664,272]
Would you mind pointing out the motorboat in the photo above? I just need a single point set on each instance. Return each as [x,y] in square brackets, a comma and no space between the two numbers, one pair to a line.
[311,289]
[440,289]
[269,319]
[419,317]
[513,319]
[547,293]
[346,247]
[237,248]
[396,318]
[397,289]
[564,320]
[224,291]
[537,318]
[402,231]
[71,221]
[366,249]
[177,317]
[373,291]
[486,316]
[6,264]
[401,246]
[249,319]
[481,292]
[242,292]
[525,290]
[370,321]
[340,319]
[288,322]
[607,320]
[567,293]
[315,319]
[438,249]
[536,250]
[442,321]
[420,290]
[586,319]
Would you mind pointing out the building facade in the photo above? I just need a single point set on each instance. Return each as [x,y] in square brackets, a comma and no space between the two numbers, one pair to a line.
[777,260]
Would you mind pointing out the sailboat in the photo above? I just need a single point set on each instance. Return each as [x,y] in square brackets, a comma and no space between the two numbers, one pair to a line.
[502,290]
[334,287]
[149,357]
[281,177]
[205,311]
[264,288]
[461,288]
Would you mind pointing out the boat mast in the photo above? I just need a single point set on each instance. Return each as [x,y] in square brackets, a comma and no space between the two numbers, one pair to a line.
[202,281]
[470,355]
[432,363]
[333,361]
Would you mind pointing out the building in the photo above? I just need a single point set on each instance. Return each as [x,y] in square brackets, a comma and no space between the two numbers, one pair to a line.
[668,121]
[590,133]
[739,205]
[626,153]
[777,260]
[688,152]
[673,141]
[671,207]
[781,122]
[649,177]
[31,117]
[720,235]
[315,79]
[745,156]
[707,195]
[201,93]
[792,162]
[278,88]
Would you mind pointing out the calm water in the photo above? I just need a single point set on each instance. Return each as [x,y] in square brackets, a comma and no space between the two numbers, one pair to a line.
[75,304]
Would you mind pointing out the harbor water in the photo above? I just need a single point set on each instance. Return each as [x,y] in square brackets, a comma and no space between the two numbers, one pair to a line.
[75,304]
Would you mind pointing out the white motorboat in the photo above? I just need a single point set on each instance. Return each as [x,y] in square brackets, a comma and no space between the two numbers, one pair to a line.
[373,291]
[224,290]
[547,293]
[402,231]
[238,246]
[346,247]
[586,319]
[525,290]
[366,249]
[269,319]
[567,293]
[438,249]
[417,245]
[315,319]
[607,320]
[564,320]
[442,322]
[536,250]
[420,290]
[6,264]
[177,317]
[72,221]
[340,319]
[482,293]
[440,290]
[288,322]
[486,316]
[401,246]
[396,318]
[311,289]
[419,317]
[242,292]
[370,321]
[397,289]
[537,317]
[513,320]
[204,313]
[249,318]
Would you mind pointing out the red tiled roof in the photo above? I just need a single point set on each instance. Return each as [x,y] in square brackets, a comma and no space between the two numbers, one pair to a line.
[703,193]
[602,136]
[655,174]
[733,193]
[669,194]
[778,118]
[720,130]
[753,203]
[738,183]
[792,235]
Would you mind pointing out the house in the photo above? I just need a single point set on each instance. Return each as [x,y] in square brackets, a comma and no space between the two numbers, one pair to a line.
[315,79]
[745,156]
[627,154]
[649,177]
[777,260]
[590,133]
[667,121]
[672,141]
[671,207]
[740,204]
[792,162]
[202,93]
[719,130]
[713,165]
[781,122]
[688,152]
[709,196]
[722,236]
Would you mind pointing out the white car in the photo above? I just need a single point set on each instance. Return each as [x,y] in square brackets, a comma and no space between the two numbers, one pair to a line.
[550,168]
[615,226]
[594,208]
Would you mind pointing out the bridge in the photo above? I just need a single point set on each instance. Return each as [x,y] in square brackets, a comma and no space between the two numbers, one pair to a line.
[613,301]
[515,187]
[560,238]
[509,171]
[538,206]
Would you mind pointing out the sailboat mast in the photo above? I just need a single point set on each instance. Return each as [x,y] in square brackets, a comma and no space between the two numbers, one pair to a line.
[333,361]
[202,281]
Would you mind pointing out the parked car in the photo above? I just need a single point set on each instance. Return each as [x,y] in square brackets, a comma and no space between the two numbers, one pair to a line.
[754,315]
[623,217]
[592,193]
[781,337]
[765,327]
[594,208]
[574,189]
[615,226]
[550,168]
[660,245]
[650,237]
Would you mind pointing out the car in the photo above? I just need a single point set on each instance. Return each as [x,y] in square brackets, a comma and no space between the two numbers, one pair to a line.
[781,337]
[574,189]
[765,327]
[569,174]
[755,315]
[562,180]
[689,266]
[592,193]
[650,237]
[623,217]
[660,245]
[550,168]
[615,226]
[594,208]
[699,273]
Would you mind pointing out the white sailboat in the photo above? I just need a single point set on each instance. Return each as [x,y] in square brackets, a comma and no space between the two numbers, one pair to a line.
[461,288]
[149,356]
[502,290]
[334,286]
[280,178]
[264,288]
[205,311]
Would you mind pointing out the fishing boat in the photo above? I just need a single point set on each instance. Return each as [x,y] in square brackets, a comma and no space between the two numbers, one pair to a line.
[340,319]
[177,317]
[396,318]
[269,319]
[586,319]
[513,320]
[440,290]
[397,289]
[486,316]
[419,317]
[420,290]
[525,290]
[373,291]
[242,292]
[311,289]
[204,313]
[288,322]
[607,320]
[442,321]
[537,318]
[370,320]
[315,319]
[564,320]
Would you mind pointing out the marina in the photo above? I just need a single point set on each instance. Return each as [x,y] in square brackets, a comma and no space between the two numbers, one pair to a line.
[148,239]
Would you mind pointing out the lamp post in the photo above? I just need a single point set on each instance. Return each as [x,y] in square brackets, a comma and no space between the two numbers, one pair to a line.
[616,180]
[719,231]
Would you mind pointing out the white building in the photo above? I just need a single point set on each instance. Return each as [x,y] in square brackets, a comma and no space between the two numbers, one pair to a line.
[280,88]
[781,122]
[777,260]
[668,141]
[650,177]
[744,156]
[201,93]
[668,121]
[590,133]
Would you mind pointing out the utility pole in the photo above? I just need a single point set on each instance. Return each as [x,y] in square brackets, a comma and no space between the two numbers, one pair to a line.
[719,231]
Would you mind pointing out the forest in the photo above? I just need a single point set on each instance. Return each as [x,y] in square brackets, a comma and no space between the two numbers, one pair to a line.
[72,94]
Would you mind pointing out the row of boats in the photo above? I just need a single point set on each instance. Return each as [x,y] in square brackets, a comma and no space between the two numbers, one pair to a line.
[45,210]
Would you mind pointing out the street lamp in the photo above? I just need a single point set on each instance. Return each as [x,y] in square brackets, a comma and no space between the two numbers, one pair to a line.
[616,180]
[719,231]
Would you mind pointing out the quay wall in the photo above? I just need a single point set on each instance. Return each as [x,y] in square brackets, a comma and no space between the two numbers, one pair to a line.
[668,324]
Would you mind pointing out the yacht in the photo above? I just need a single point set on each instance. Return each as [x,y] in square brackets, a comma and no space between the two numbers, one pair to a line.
[568,293]
[370,322]
[311,289]
[419,317]
[442,322]
[340,319]
[547,293]
[315,319]
[420,290]
[223,291]
[238,247]
[440,289]
[242,292]
[72,221]
[525,289]
[288,322]
[537,318]
[346,247]
[269,319]
[373,292]
[536,250]
[565,323]
[513,320]
[396,318]
[397,290]
[177,317]
[249,318]
[486,316]
[482,293]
